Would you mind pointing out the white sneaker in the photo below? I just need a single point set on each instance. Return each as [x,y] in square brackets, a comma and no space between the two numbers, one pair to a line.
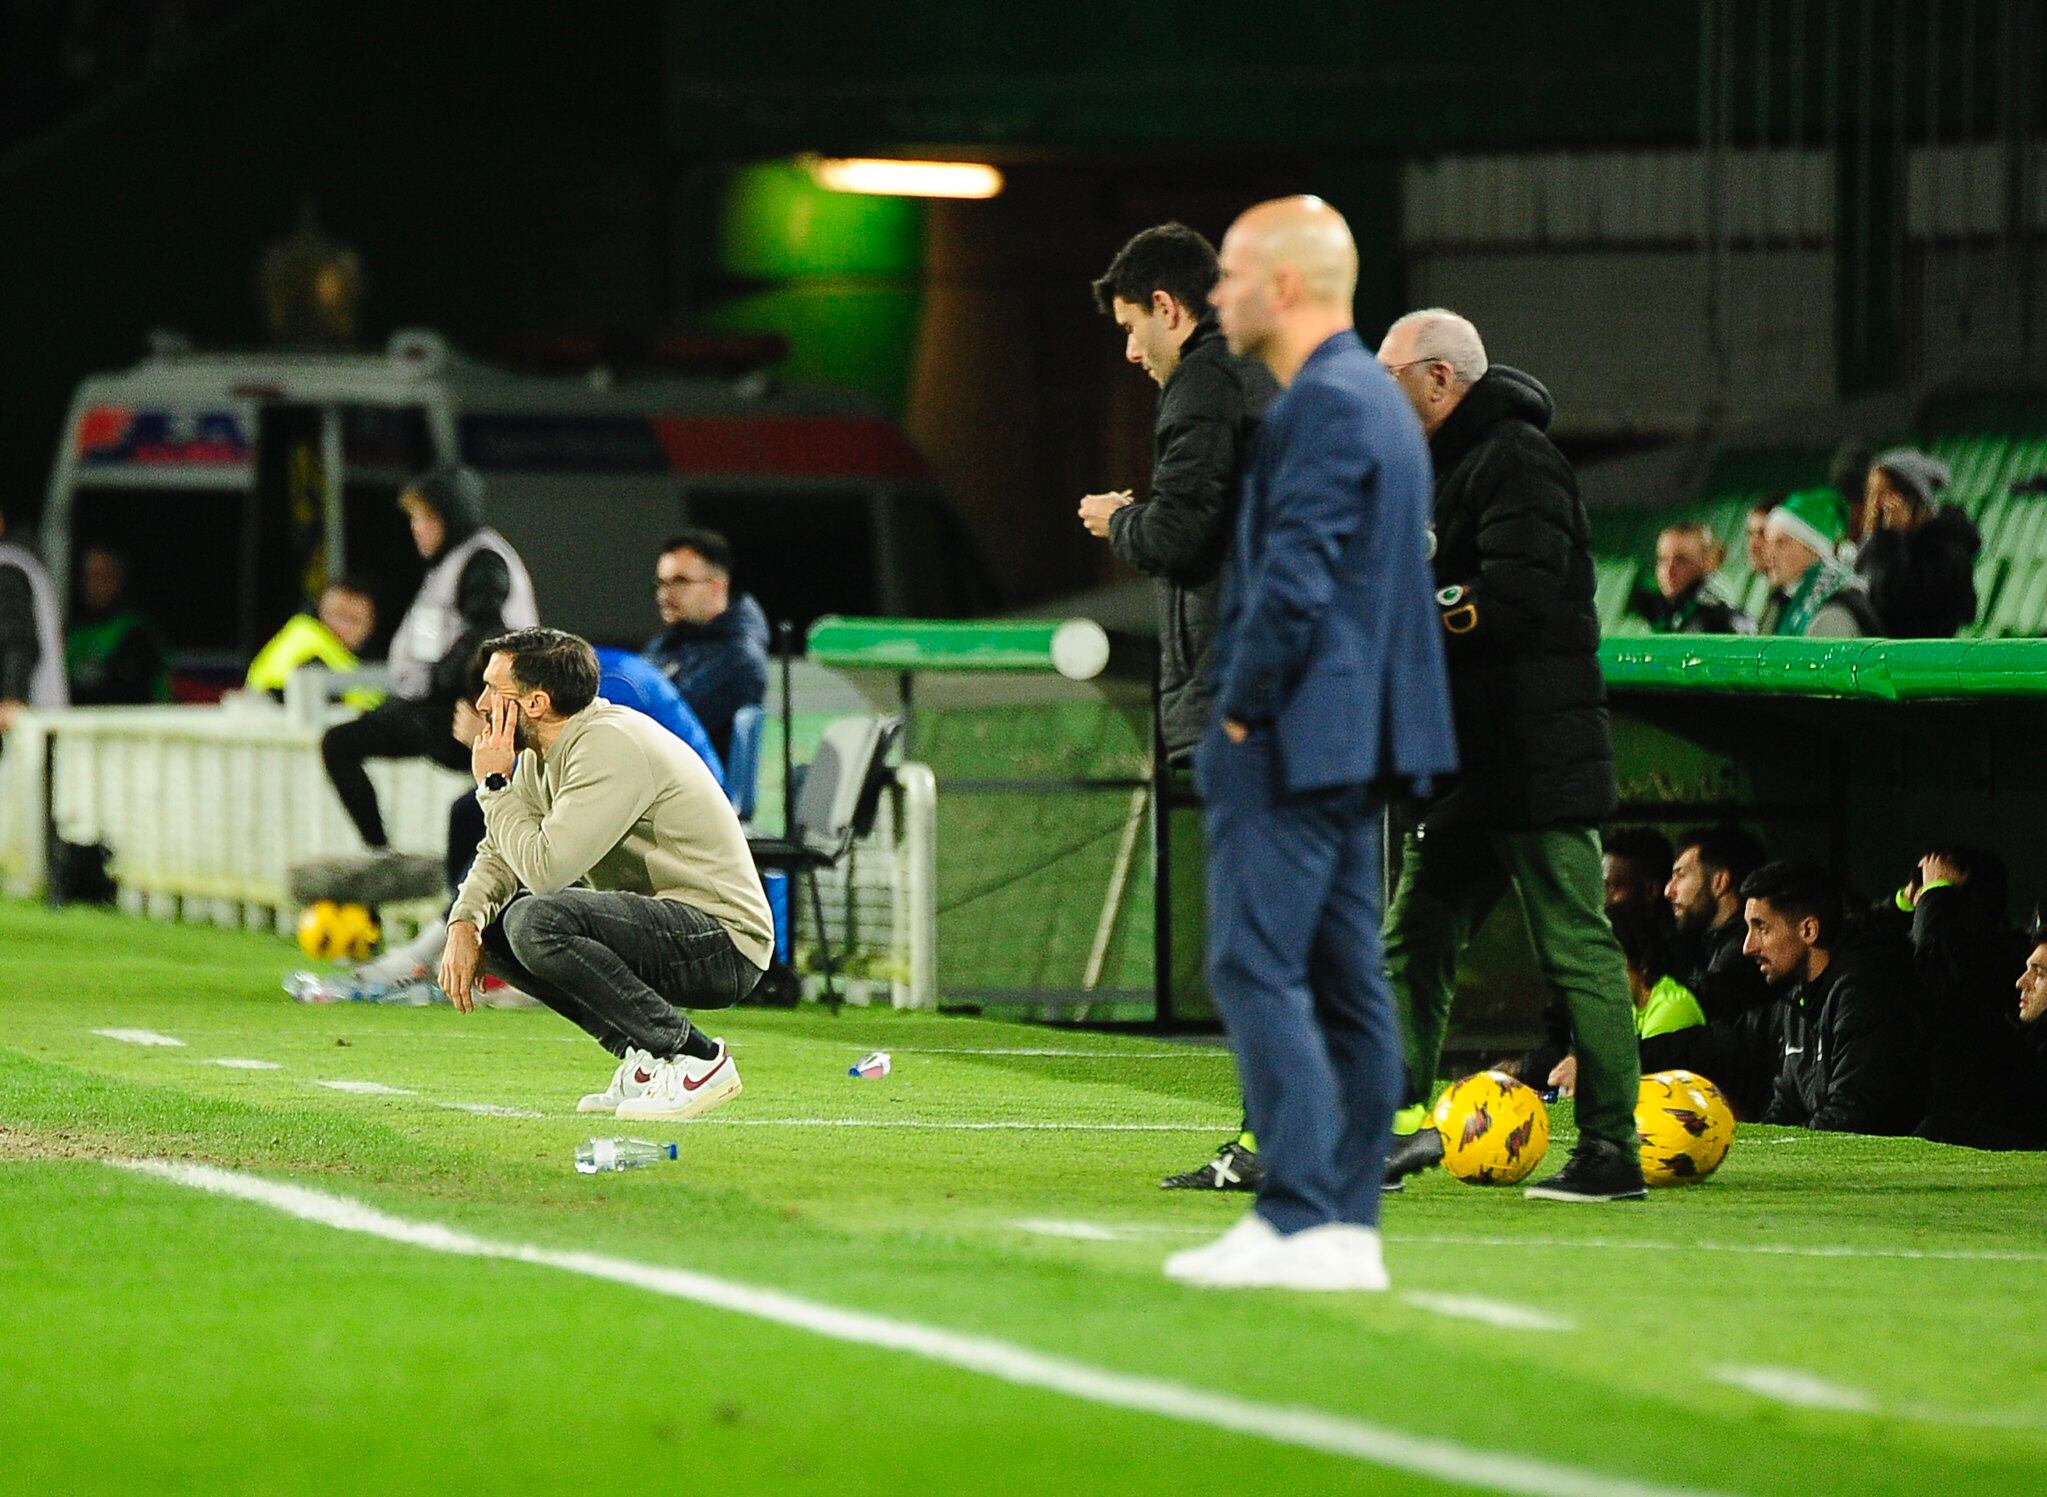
[1335,1257]
[685,1087]
[633,1076]
[1251,1235]
[416,961]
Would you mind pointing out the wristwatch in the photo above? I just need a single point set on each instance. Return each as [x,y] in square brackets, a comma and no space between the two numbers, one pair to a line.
[495,782]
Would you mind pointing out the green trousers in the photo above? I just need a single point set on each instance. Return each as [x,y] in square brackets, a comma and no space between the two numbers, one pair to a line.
[1450,880]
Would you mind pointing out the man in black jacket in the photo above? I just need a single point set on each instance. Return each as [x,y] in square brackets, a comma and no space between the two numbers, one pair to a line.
[1918,558]
[1848,1061]
[1210,403]
[1514,565]
[1738,1047]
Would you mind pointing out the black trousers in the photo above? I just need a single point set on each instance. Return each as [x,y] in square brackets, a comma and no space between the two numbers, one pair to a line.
[621,967]
[398,729]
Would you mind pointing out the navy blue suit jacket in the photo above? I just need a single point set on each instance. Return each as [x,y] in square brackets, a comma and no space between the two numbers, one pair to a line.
[1329,637]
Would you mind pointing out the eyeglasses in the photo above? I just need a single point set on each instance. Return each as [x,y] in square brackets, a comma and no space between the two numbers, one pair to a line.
[1396,369]
[677,584]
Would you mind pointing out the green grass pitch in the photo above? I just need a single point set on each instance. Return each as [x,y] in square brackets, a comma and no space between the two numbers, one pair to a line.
[1827,1315]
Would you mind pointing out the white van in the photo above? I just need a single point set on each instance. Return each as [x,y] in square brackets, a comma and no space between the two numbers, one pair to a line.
[236,483]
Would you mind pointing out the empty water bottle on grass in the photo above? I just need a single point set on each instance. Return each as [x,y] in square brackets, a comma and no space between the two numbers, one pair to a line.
[596,1156]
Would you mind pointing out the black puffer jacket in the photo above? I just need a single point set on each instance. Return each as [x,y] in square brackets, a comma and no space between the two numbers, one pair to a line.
[1922,584]
[1514,563]
[1208,413]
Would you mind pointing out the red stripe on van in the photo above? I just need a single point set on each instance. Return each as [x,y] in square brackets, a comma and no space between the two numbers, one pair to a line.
[807,446]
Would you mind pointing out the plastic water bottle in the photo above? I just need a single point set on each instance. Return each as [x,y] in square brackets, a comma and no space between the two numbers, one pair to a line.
[598,1155]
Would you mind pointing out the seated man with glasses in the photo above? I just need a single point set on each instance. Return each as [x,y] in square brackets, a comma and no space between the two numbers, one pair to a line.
[713,644]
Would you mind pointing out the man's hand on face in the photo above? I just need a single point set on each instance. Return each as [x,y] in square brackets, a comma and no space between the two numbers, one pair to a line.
[461,960]
[1095,510]
[496,747]
[1935,869]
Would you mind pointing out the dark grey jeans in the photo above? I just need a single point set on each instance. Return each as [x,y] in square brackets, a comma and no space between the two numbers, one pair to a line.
[619,966]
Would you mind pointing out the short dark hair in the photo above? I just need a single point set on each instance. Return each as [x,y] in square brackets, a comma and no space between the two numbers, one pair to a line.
[1646,850]
[1171,258]
[352,582]
[1986,879]
[709,544]
[1800,891]
[1726,849]
[1644,941]
[562,665]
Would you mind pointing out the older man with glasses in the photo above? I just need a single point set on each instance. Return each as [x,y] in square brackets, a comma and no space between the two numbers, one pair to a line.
[713,644]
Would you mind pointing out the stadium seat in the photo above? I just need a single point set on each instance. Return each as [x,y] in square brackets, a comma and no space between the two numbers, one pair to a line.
[836,806]
[743,761]
[1613,585]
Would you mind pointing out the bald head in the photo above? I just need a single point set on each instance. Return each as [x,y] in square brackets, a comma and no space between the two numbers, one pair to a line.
[1289,271]
[1306,238]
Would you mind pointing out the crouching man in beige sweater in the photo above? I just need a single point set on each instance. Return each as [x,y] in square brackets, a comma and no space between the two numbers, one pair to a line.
[613,882]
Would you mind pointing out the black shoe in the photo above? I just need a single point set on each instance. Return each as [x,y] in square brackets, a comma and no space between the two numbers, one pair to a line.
[1233,1168]
[1599,1170]
[1413,1153]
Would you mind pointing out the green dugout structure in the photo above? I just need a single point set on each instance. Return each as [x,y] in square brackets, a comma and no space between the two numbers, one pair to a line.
[1054,865]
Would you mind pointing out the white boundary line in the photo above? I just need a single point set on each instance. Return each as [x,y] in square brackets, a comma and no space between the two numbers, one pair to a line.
[1086,1231]
[1308,1429]
[940,1126]
[1492,1312]
[141,1037]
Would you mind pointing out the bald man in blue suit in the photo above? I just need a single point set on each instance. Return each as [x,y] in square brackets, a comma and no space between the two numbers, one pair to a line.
[1330,695]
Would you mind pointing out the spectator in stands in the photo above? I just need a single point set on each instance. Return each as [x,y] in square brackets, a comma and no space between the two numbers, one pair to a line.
[1514,565]
[475,586]
[1704,892]
[1917,558]
[1814,594]
[713,645]
[1663,1004]
[31,639]
[1848,472]
[1847,1059]
[1209,403]
[1688,597]
[1758,532]
[114,652]
[334,635]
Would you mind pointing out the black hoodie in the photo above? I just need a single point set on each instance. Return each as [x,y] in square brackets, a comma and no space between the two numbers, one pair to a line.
[1922,583]
[1523,635]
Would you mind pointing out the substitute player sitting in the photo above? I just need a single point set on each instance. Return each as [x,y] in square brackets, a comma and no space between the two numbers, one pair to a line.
[613,882]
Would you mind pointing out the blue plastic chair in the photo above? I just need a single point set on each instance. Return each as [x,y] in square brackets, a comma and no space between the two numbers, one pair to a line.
[743,761]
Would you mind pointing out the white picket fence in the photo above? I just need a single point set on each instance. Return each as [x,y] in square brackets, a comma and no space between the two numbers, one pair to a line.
[205,809]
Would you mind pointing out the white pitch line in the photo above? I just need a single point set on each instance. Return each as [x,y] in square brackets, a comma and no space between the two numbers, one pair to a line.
[1799,1389]
[366,1088]
[1203,1053]
[933,1125]
[1488,1312]
[491,1110]
[242,1063]
[1758,1249]
[1078,1231]
[1308,1429]
[141,1037]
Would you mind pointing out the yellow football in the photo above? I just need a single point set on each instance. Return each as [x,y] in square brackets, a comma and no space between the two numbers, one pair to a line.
[1685,1126]
[1494,1128]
